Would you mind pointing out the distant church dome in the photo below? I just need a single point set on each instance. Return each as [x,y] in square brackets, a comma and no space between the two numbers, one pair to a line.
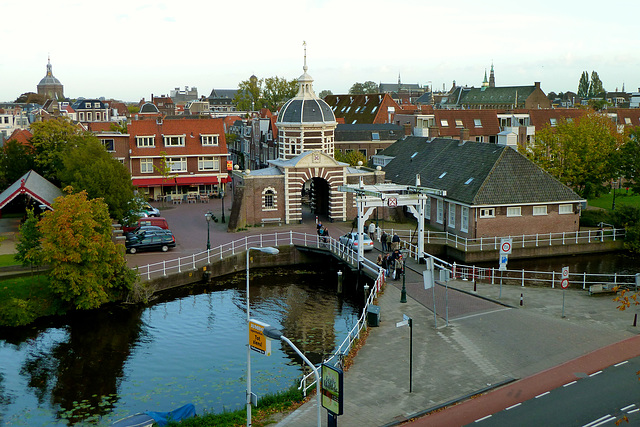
[49,86]
[149,108]
[306,107]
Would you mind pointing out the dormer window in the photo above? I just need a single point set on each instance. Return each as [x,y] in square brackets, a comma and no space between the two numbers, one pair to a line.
[444,123]
[209,140]
[173,140]
[459,123]
[477,123]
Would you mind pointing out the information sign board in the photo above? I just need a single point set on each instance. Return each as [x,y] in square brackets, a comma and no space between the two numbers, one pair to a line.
[332,389]
[257,341]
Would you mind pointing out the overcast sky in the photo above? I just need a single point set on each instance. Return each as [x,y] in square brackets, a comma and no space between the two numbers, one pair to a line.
[130,49]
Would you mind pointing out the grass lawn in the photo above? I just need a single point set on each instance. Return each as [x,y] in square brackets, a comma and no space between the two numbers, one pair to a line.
[24,299]
[7,260]
[622,197]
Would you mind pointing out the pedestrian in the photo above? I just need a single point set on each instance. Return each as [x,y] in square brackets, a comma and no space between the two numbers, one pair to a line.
[385,264]
[399,266]
[379,260]
[372,231]
[383,241]
[395,242]
[325,234]
[319,227]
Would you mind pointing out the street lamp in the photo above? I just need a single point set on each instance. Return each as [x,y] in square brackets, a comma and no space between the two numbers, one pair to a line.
[403,293]
[266,250]
[275,334]
[222,196]
[208,217]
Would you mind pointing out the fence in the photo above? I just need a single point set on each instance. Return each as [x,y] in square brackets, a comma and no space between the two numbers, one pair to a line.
[519,241]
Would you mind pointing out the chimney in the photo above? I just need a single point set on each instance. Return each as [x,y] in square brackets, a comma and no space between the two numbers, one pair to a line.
[464,134]
[434,132]
[407,129]
[537,85]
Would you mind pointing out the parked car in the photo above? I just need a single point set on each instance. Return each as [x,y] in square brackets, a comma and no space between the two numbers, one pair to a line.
[151,220]
[350,240]
[152,241]
[150,210]
[143,229]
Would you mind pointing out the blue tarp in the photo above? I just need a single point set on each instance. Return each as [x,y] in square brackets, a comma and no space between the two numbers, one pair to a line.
[183,412]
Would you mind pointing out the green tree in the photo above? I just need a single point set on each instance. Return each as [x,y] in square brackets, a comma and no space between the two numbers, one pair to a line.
[118,127]
[164,169]
[581,154]
[89,167]
[583,85]
[277,90]
[630,160]
[28,249]
[595,86]
[365,88]
[50,141]
[324,93]
[15,160]
[249,94]
[352,157]
[87,268]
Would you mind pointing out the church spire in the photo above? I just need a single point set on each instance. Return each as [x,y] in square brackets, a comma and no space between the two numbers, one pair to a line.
[492,77]
[485,82]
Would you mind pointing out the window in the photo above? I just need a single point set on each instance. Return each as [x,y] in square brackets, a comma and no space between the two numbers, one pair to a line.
[97,116]
[209,139]
[177,164]
[174,141]
[81,116]
[459,123]
[439,211]
[96,105]
[146,165]
[442,175]
[477,123]
[539,210]
[514,211]
[444,123]
[467,182]
[145,141]
[269,199]
[565,209]
[87,105]
[375,136]
[487,213]
[89,117]
[209,163]
[452,215]
[364,152]
[109,144]
[427,209]
[552,122]
[464,218]
[627,120]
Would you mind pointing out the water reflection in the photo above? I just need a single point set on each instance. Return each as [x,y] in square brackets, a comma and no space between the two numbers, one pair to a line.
[188,346]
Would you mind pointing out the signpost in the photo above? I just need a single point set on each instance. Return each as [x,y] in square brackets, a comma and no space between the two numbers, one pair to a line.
[505,249]
[332,390]
[406,320]
[257,340]
[564,284]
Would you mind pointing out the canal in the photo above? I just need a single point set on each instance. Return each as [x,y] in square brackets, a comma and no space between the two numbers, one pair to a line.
[189,345]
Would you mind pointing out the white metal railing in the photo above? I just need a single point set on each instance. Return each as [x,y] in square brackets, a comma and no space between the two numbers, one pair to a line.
[518,241]
[345,347]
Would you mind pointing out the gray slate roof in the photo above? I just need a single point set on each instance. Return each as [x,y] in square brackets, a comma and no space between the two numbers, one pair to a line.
[474,173]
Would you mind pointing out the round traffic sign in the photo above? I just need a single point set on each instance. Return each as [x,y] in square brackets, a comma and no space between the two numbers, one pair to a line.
[506,247]
[565,272]
[564,284]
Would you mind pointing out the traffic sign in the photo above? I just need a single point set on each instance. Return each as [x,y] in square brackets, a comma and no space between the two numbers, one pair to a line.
[564,284]
[504,259]
[392,202]
[505,246]
[503,267]
[565,272]
[257,341]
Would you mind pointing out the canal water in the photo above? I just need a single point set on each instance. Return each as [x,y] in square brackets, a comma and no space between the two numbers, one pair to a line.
[187,346]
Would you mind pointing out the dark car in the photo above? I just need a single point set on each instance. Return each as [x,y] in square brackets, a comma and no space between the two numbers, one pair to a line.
[151,241]
[143,229]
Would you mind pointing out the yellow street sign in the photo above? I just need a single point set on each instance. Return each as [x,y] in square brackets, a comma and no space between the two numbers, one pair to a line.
[257,341]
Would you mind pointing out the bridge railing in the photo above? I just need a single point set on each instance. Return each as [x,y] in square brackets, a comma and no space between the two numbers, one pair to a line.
[518,241]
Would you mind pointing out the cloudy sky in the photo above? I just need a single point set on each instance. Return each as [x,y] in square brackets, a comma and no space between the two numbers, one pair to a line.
[130,49]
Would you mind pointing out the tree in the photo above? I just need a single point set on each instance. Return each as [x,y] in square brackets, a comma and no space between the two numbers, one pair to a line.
[352,157]
[595,87]
[50,140]
[581,154]
[277,91]
[583,85]
[164,169]
[28,249]
[630,160]
[89,167]
[31,98]
[324,93]
[87,268]
[367,87]
[15,160]
[249,93]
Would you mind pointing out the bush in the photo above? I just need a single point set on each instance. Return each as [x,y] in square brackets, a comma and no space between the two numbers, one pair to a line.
[592,217]
[17,312]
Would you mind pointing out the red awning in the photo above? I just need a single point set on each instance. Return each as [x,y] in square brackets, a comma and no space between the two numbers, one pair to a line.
[197,180]
[152,182]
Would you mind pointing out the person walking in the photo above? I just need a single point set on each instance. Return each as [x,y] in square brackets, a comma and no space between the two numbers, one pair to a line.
[395,242]
[383,241]
[372,231]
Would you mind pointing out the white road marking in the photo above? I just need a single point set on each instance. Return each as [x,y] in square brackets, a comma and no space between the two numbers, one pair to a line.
[595,373]
[621,363]
[600,421]
[571,383]
[513,406]
[482,419]
[628,407]
[543,394]
[480,314]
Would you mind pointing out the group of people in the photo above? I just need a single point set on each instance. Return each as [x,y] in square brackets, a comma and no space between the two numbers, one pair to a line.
[389,245]
[392,263]
[322,232]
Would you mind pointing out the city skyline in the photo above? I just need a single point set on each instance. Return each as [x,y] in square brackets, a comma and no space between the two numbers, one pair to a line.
[131,50]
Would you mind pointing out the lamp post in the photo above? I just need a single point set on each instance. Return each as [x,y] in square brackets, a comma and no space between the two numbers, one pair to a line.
[208,217]
[275,334]
[403,293]
[266,250]
[222,196]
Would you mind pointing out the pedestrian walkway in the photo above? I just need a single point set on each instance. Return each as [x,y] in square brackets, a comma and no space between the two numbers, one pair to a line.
[489,342]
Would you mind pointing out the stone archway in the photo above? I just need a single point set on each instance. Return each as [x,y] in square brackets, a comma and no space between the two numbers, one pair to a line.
[319,195]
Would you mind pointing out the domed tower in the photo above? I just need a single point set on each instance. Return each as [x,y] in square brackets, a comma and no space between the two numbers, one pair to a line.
[49,86]
[305,122]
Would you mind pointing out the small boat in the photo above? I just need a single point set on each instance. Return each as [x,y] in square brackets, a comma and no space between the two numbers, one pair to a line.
[146,419]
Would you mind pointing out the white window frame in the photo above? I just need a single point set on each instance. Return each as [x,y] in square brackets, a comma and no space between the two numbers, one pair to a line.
[540,210]
[477,123]
[487,212]
[451,214]
[173,140]
[106,141]
[464,218]
[514,211]
[208,163]
[427,208]
[269,205]
[177,164]
[145,141]
[210,140]
[146,165]
[444,123]
[565,209]
[439,211]
[459,123]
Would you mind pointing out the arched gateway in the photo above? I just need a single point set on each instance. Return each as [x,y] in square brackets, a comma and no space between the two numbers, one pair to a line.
[306,133]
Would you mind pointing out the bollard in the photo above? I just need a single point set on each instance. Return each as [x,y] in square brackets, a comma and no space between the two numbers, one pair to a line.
[521,299]
[366,294]
[635,319]
[339,282]
[474,286]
